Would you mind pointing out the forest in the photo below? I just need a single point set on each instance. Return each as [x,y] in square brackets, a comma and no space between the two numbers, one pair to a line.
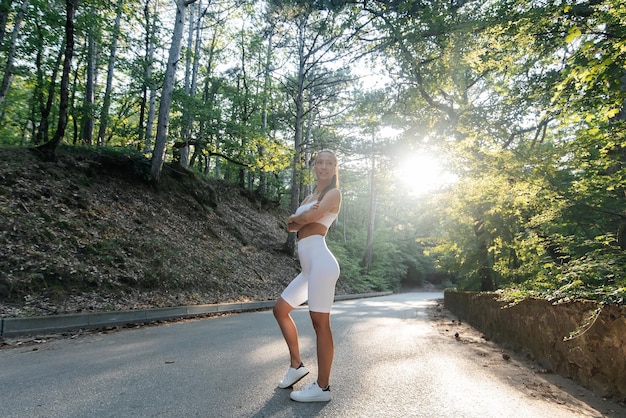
[481,143]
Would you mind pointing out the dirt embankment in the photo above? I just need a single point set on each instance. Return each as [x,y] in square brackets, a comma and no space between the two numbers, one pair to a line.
[576,339]
[89,233]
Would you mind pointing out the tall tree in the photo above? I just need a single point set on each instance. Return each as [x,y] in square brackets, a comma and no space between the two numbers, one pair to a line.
[8,68]
[45,96]
[106,104]
[48,149]
[366,261]
[266,92]
[192,64]
[5,9]
[147,110]
[87,123]
[160,146]
[316,45]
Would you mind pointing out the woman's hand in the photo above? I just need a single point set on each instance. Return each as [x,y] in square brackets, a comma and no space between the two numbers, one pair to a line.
[330,203]
[293,225]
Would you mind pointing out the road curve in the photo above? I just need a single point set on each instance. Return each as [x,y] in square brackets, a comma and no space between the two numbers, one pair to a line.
[395,356]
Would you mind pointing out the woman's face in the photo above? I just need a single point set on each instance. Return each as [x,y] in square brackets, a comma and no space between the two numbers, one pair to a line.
[325,165]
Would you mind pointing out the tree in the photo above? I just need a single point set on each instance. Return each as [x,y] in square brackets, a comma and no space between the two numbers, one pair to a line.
[104,114]
[191,80]
[366,262]
[317,44]
[167,91]
[267,82]
[148,87]
[5,8]
[8,68]
[87,124]
[48,150]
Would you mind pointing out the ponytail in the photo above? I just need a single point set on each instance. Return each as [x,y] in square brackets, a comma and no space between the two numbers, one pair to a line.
[334,184]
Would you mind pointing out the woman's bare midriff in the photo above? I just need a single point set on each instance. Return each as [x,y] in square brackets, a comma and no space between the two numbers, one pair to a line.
[312,229]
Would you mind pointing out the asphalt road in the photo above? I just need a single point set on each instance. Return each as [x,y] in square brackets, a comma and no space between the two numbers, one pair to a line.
[395,356]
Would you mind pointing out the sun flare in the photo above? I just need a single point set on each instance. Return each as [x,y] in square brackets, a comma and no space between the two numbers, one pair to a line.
[422,173]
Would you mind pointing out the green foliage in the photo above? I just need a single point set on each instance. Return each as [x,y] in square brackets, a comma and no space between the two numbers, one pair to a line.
[548,231]
[394,254]
[530,99]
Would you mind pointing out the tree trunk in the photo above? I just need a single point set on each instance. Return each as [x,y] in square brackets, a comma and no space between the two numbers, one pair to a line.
[5,8]
[148,101]
[158,156]
[209,91]
[188,49]
[72,107]
[196,61]
[485,271]
[194,85]
[48,150]
[152,111]
[45,105]
[191,74]
[310,142]
[87,124]
[366,263]
[290,245]
[8,69]
[262,189]
[104,116]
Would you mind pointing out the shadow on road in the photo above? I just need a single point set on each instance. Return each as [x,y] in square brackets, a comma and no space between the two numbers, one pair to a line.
[281,405]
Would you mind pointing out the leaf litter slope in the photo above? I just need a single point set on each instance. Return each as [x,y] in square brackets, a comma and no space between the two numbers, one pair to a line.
[89,233]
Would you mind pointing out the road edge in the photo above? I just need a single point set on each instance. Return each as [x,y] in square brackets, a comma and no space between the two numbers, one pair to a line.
[15,327]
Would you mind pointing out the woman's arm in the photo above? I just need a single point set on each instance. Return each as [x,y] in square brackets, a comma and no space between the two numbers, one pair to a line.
[292,226]
[330,203]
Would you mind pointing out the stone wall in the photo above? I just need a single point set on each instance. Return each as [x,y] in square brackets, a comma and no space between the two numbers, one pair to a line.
[594,355]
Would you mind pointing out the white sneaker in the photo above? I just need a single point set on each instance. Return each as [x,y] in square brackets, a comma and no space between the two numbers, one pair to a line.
[292,376]
[311,393]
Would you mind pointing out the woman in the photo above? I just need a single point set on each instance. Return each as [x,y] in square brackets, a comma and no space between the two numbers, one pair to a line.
[316,282]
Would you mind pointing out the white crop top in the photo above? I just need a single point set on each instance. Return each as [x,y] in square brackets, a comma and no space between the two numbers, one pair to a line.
[326,220]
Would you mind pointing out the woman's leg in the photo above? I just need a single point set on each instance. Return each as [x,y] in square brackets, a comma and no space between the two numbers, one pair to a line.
[282,312]
[325,346]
